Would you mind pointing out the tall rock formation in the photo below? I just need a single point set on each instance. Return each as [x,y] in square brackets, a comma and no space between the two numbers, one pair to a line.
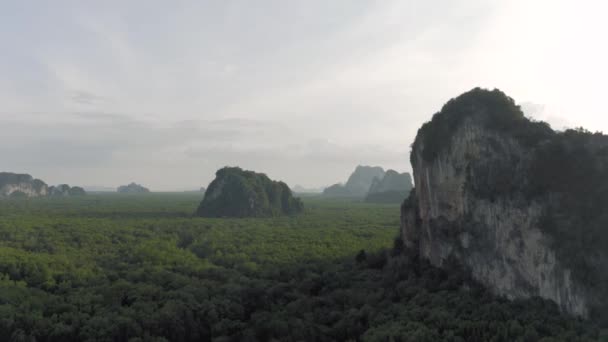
[522,207]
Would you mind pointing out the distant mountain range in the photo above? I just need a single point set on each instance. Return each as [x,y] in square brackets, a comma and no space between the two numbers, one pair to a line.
[373,184]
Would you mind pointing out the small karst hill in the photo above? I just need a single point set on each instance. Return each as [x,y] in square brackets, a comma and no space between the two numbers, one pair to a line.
[132,188]
[240,193]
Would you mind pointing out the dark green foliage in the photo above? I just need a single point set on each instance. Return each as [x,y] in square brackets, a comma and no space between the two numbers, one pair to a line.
[493,109]
[572,170]
[240,193]
[138,268]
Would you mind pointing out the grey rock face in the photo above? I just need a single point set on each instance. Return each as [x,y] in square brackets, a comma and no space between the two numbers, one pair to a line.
[496,237]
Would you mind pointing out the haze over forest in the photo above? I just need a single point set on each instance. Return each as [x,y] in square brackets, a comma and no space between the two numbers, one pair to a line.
[165,94]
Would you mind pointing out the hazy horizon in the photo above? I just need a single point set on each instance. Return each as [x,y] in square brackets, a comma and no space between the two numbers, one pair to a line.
[165,93]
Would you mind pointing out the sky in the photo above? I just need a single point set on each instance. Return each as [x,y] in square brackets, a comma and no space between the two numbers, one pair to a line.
[164,93]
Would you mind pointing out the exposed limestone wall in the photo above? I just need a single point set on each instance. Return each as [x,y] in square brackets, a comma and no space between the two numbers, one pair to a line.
[497,239]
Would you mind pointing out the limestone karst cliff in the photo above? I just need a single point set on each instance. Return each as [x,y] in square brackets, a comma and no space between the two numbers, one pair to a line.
[522,207]
[21,185]
[15,185]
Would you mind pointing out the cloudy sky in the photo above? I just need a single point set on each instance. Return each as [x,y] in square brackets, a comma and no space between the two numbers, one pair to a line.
[166,92]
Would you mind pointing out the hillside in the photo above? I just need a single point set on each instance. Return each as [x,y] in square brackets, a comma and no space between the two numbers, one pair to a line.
[520,206]
[240,193]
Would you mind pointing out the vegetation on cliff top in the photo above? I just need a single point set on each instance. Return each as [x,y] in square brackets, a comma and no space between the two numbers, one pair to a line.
[240,193]
[492,108]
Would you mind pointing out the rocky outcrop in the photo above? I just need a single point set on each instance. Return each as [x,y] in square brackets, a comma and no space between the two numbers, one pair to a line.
[240,193]
[21,185]
[14,185]
[358,183]
[517,204]
[132,188]
[394,187]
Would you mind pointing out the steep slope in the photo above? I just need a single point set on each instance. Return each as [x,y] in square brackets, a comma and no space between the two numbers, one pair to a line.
[240,193]
[519,205]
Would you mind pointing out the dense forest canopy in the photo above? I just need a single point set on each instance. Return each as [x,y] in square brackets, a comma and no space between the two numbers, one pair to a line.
[140,268]
[240,193]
